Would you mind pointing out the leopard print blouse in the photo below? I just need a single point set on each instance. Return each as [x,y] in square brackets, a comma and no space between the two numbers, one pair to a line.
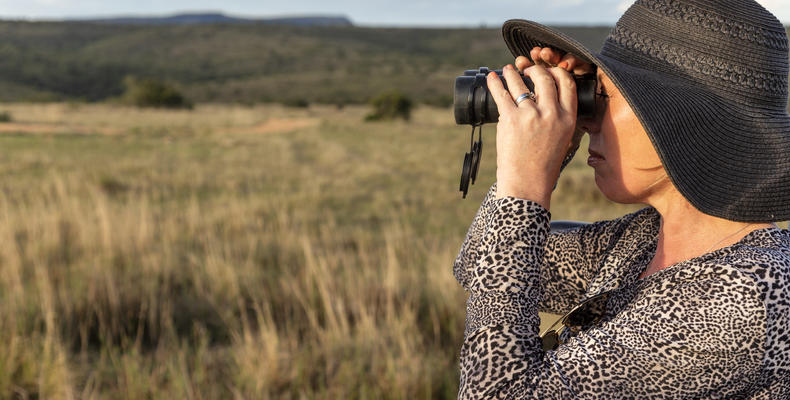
[712,327]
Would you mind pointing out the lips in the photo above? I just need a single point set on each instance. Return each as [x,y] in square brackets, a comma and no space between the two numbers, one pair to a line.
[594,153]
[595,158]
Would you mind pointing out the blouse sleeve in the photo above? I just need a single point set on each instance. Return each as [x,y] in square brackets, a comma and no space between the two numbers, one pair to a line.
[699,339]
[570,260]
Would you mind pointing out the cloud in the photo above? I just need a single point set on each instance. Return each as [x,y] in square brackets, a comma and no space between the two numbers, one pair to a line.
[773,3]
[780,8]
[406,12]
[50,3]
[566,3]
[624,5]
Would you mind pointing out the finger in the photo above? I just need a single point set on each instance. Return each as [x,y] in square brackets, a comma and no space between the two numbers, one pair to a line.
[503,100]
[522,63]
[545,87]
[550,56]
[568,62]
[566,87]
[572,63]
[535,55]
[515,83]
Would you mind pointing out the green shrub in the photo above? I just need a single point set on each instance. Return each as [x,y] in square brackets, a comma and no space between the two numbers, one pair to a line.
[153,93]
[5,116]
[390,105]
[295,103]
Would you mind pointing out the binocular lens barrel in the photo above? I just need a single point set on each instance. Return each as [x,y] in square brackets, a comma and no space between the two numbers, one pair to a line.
[473,104]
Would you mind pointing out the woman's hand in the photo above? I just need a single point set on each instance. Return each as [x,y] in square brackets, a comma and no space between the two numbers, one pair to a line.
[534,136]
[548,57]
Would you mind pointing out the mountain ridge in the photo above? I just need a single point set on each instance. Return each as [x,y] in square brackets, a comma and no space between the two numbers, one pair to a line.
[248,63]
[214,17]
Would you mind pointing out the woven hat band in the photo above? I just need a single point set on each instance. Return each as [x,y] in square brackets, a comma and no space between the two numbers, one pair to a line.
[702,42]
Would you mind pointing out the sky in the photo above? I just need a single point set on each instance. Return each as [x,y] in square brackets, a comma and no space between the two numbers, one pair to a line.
[361,12]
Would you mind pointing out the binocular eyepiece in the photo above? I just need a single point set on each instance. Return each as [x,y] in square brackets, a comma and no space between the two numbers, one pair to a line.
[474,105]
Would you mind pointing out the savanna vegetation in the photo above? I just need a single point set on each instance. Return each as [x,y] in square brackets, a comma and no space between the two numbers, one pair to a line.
[237,252]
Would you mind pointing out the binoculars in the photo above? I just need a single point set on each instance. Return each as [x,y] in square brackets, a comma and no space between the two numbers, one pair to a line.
[473,104]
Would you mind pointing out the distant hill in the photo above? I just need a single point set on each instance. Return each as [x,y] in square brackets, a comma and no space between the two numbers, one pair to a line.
[247,62]
[219,18]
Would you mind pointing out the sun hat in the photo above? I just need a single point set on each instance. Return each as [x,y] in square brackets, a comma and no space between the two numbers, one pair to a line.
[708,79]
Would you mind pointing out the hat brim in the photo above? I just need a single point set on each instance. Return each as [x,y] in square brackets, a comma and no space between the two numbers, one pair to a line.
[693,130]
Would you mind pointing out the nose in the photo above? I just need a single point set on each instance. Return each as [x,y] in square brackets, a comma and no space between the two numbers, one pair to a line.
[590,125]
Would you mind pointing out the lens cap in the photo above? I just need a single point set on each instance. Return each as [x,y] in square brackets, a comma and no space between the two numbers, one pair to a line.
[466,173]
[477,153]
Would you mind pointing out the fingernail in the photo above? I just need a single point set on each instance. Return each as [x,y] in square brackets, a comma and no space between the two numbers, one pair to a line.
[563,65]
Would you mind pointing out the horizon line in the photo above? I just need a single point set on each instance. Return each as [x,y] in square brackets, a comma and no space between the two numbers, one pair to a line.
[254,17]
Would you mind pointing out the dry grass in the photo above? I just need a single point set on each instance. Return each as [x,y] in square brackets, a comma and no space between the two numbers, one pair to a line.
[210,254]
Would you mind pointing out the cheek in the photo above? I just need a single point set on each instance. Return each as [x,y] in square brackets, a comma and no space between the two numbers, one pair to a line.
[640,153]
[636,149]
[632,162]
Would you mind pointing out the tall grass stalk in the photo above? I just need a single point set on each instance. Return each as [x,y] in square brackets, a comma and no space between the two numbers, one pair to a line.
[237,252]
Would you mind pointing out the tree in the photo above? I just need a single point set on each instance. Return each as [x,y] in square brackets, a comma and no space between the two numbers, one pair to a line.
[390,105]
[153,93]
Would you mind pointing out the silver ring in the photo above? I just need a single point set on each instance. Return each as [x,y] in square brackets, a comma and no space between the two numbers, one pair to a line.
[528,95]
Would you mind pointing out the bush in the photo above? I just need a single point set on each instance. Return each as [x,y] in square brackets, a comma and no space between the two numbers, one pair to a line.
[295,103]
[153,93]
[5,116]
[390,105]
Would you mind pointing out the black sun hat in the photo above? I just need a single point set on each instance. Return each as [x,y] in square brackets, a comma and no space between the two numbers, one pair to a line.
[708,79]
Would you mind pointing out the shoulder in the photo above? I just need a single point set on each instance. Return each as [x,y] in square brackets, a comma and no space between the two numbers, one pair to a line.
[763,256]
[763,259]
[760,264]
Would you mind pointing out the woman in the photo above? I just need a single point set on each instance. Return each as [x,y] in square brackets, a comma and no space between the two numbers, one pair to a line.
[691,121]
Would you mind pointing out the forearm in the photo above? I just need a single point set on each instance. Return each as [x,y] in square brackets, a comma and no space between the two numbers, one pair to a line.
[501,336]
[470,251]
[569,260]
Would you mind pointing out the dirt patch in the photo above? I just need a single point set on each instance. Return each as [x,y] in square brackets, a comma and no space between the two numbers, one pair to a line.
[282,125]
[18,127]
[29,128]
[270,126]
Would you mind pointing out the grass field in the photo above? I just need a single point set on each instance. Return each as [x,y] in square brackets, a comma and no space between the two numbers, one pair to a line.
[234,252]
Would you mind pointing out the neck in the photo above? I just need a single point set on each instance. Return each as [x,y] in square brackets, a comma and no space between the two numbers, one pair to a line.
[686,232]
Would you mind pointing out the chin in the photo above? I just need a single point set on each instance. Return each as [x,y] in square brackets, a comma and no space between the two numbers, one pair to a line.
[615,191]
